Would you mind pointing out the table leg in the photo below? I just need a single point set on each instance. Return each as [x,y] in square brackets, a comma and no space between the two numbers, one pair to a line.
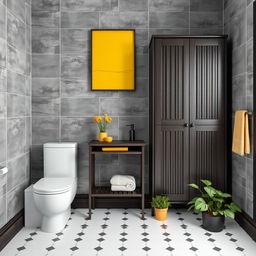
[90,184]
[142,184]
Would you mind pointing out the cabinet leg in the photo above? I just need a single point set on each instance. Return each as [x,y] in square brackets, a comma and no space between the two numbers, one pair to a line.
[90,208]
[152,212]
[142,208]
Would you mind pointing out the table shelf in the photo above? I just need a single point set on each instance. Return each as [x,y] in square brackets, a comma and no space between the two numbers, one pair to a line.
[106,192]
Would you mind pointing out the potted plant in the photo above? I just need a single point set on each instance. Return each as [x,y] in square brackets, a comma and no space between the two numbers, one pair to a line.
[102,125]
[213,205]
[161,205]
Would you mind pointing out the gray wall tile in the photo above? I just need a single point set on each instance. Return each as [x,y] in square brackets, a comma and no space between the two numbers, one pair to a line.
[15,105]
[15,137]
[74,67]
[46,87]
[169,5]
[43,106]
[168,19]
[46,19]
[18,8]
[15,32]
[46,66]
[16,172]
[79,20]
[239,60]
[2,141]
[16,60]
[45,40]
[3,84]
[42,5]
[2,105]
[249,22]
[123,20]
[75,41]
[206,19]
[45,129]
[3,211]
[79,107]
[89,5]
[206,6]
[133,5]
[15,83]
[2,22]
[250,56]
[2,53]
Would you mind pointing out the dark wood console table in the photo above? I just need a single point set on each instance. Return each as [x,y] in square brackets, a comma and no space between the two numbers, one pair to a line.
[134,148]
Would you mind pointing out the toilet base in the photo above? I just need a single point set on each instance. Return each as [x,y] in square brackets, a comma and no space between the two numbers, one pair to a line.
[56,223]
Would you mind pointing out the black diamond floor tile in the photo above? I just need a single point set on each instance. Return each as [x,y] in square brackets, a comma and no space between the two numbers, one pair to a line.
[167,239]
[21,248]
[106,218]
[123,234]
[80,234]
[124,226]
[184,226]
[164,226]
[211,240]
[187,234]
[104,226]
[123,239]
[107,213]
[146,248]
[180,219]
[98,248]
[102,234]
[55,239]
[50,248]
[207,234]
[145,239]
[240,249]
[78,239]
[122,248]
[33,233]
[228,234]
[233,240]
[144,226]
[194,249]
[59,234]
[145,234]
[124,218]
[28,239]
[101,239]
[189,240]
[216,248]
[179,213]
[170,248]
[166,234]
[84,226]
[199,219]
[74,248]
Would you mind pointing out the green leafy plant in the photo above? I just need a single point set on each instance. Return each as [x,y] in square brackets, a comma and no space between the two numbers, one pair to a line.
[160,202]
[213,201]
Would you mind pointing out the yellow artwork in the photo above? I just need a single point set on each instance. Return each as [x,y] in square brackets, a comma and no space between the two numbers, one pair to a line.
[113,60]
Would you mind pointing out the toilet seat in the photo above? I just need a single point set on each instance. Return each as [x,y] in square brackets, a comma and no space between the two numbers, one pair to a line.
[53,186]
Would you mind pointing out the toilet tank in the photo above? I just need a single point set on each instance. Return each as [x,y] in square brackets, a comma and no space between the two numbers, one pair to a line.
[60,159]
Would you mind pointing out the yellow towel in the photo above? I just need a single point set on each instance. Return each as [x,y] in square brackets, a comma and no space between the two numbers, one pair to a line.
[241,140]
[115,149]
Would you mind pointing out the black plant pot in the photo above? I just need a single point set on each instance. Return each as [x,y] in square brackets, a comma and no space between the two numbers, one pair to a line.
[213,223]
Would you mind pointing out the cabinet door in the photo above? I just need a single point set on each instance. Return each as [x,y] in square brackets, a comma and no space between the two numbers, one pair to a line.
[207,111]
[171,101]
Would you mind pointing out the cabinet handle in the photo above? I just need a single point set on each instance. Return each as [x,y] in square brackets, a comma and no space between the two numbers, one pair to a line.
[192,125]
[186,125]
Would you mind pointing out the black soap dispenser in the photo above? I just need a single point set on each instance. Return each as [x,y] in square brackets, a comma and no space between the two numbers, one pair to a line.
[131,132]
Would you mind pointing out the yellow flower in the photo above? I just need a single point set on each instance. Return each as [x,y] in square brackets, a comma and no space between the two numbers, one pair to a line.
[108,119]
[105,115]
[97,119]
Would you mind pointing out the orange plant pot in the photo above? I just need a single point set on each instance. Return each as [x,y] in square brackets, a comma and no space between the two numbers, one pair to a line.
[102,135]
[161,214]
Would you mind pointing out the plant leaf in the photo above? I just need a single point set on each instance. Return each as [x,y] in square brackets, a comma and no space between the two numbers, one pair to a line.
[229,213]
[201,205]
[210,191]
[234,207]
[193,186]
[206,182]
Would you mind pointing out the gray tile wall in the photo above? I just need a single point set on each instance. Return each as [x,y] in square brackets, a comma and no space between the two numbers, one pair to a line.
[239,26]
[63,105]
[15,104]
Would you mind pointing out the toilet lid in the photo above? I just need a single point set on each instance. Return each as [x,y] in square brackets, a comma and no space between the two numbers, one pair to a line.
[53,185]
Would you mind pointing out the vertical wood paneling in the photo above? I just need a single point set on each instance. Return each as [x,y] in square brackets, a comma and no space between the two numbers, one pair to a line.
[172,86]
[207,82]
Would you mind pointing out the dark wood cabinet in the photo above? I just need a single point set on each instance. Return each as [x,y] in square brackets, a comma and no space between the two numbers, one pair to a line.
[188,113]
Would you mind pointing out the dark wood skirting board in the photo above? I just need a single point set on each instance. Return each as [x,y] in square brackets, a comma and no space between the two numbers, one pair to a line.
[247,223]
[9,230]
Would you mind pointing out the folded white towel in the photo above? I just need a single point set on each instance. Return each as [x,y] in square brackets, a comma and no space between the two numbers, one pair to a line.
[122,188]
[126,181]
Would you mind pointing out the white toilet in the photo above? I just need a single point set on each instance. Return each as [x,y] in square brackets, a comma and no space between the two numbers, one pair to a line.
[54,193]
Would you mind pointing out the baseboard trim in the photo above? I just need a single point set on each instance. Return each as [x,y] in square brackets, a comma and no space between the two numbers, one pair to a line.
[10,229]
[246,222]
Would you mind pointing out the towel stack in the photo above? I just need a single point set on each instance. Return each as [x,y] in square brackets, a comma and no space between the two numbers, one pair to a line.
[123,183]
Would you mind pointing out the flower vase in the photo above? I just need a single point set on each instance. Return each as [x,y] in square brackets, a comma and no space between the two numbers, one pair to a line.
[102,135]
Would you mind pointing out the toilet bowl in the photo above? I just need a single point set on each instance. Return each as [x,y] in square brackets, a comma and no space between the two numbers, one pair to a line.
[54,193]
[53,197]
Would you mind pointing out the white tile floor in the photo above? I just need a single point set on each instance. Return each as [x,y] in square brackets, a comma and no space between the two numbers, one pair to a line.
[117,232]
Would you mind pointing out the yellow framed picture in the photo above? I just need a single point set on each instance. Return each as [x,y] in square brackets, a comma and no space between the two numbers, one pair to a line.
[113,59]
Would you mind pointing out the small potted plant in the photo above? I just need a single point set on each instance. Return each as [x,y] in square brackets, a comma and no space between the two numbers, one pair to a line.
[161,205]
[102,125]
[213,205]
